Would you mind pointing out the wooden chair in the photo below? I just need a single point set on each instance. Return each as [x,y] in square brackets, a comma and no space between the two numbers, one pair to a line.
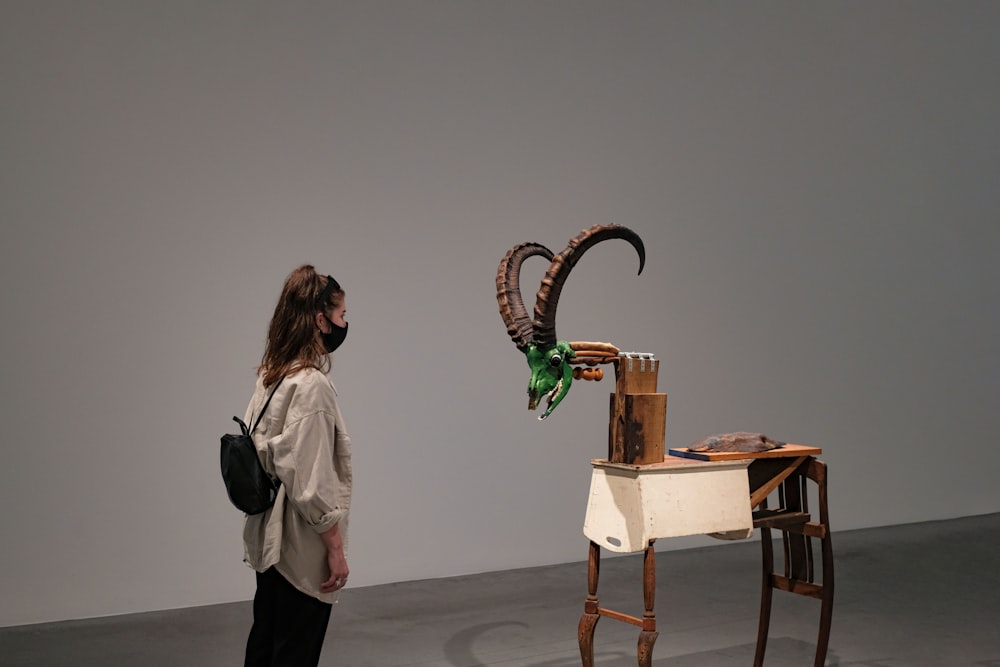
[791,517]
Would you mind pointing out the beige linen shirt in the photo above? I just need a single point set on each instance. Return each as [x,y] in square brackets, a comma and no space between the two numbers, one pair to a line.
[302,441]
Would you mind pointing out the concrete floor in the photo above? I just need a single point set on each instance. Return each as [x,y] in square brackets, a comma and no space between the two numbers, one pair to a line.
[919,595]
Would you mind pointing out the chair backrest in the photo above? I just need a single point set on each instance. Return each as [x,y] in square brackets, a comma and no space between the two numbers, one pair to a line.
[793,497]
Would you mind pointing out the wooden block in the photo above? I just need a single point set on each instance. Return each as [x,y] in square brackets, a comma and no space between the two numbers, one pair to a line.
[646,416]
[638,423]
[636,376]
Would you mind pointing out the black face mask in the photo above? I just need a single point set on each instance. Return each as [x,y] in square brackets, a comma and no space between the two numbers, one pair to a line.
[332,340]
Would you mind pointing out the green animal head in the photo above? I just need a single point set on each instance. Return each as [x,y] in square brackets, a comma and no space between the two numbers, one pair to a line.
[551,374]
[548,358]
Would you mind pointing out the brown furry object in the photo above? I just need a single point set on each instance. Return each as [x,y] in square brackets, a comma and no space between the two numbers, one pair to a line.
[735,442]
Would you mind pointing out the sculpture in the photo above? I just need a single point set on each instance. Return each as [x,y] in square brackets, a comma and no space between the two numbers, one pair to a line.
[549,358]
[638,495]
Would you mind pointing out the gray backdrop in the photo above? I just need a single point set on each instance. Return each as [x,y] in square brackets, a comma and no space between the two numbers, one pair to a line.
[816,184]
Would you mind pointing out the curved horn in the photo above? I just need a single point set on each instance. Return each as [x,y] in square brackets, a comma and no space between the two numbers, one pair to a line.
[548,294]
[512,308]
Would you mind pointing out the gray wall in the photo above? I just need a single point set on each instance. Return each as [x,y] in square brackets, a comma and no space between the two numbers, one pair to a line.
[816,184]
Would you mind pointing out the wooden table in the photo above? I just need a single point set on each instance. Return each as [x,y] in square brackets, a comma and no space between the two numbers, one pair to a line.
[690,493]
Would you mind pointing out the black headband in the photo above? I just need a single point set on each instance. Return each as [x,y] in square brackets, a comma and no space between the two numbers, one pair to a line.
[331,287]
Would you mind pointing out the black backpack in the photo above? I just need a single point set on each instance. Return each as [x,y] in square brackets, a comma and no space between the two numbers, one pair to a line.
[249,486]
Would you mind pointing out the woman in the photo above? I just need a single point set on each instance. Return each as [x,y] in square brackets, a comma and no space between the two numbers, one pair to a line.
[297,547]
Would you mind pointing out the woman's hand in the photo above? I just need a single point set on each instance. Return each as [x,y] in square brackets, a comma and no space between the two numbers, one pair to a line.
[335,560]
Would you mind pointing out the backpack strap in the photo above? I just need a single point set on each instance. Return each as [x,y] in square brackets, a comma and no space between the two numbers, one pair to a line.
[267,403]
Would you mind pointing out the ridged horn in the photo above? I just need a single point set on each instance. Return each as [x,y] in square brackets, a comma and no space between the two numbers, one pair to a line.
[512,309]
[548,294]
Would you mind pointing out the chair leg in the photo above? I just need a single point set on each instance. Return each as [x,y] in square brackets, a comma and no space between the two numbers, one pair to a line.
[766,593]
[826,608]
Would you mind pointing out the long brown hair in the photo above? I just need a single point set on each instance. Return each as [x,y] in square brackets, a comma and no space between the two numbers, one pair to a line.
[293,340]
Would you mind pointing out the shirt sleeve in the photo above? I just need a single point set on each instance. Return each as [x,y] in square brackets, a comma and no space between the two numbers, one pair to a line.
[303,461]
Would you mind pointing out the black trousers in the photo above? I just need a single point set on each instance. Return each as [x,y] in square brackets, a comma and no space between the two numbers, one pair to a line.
[288,625]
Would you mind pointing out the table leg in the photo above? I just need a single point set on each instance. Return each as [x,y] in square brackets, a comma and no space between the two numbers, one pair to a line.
[649,634]
[588,622]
